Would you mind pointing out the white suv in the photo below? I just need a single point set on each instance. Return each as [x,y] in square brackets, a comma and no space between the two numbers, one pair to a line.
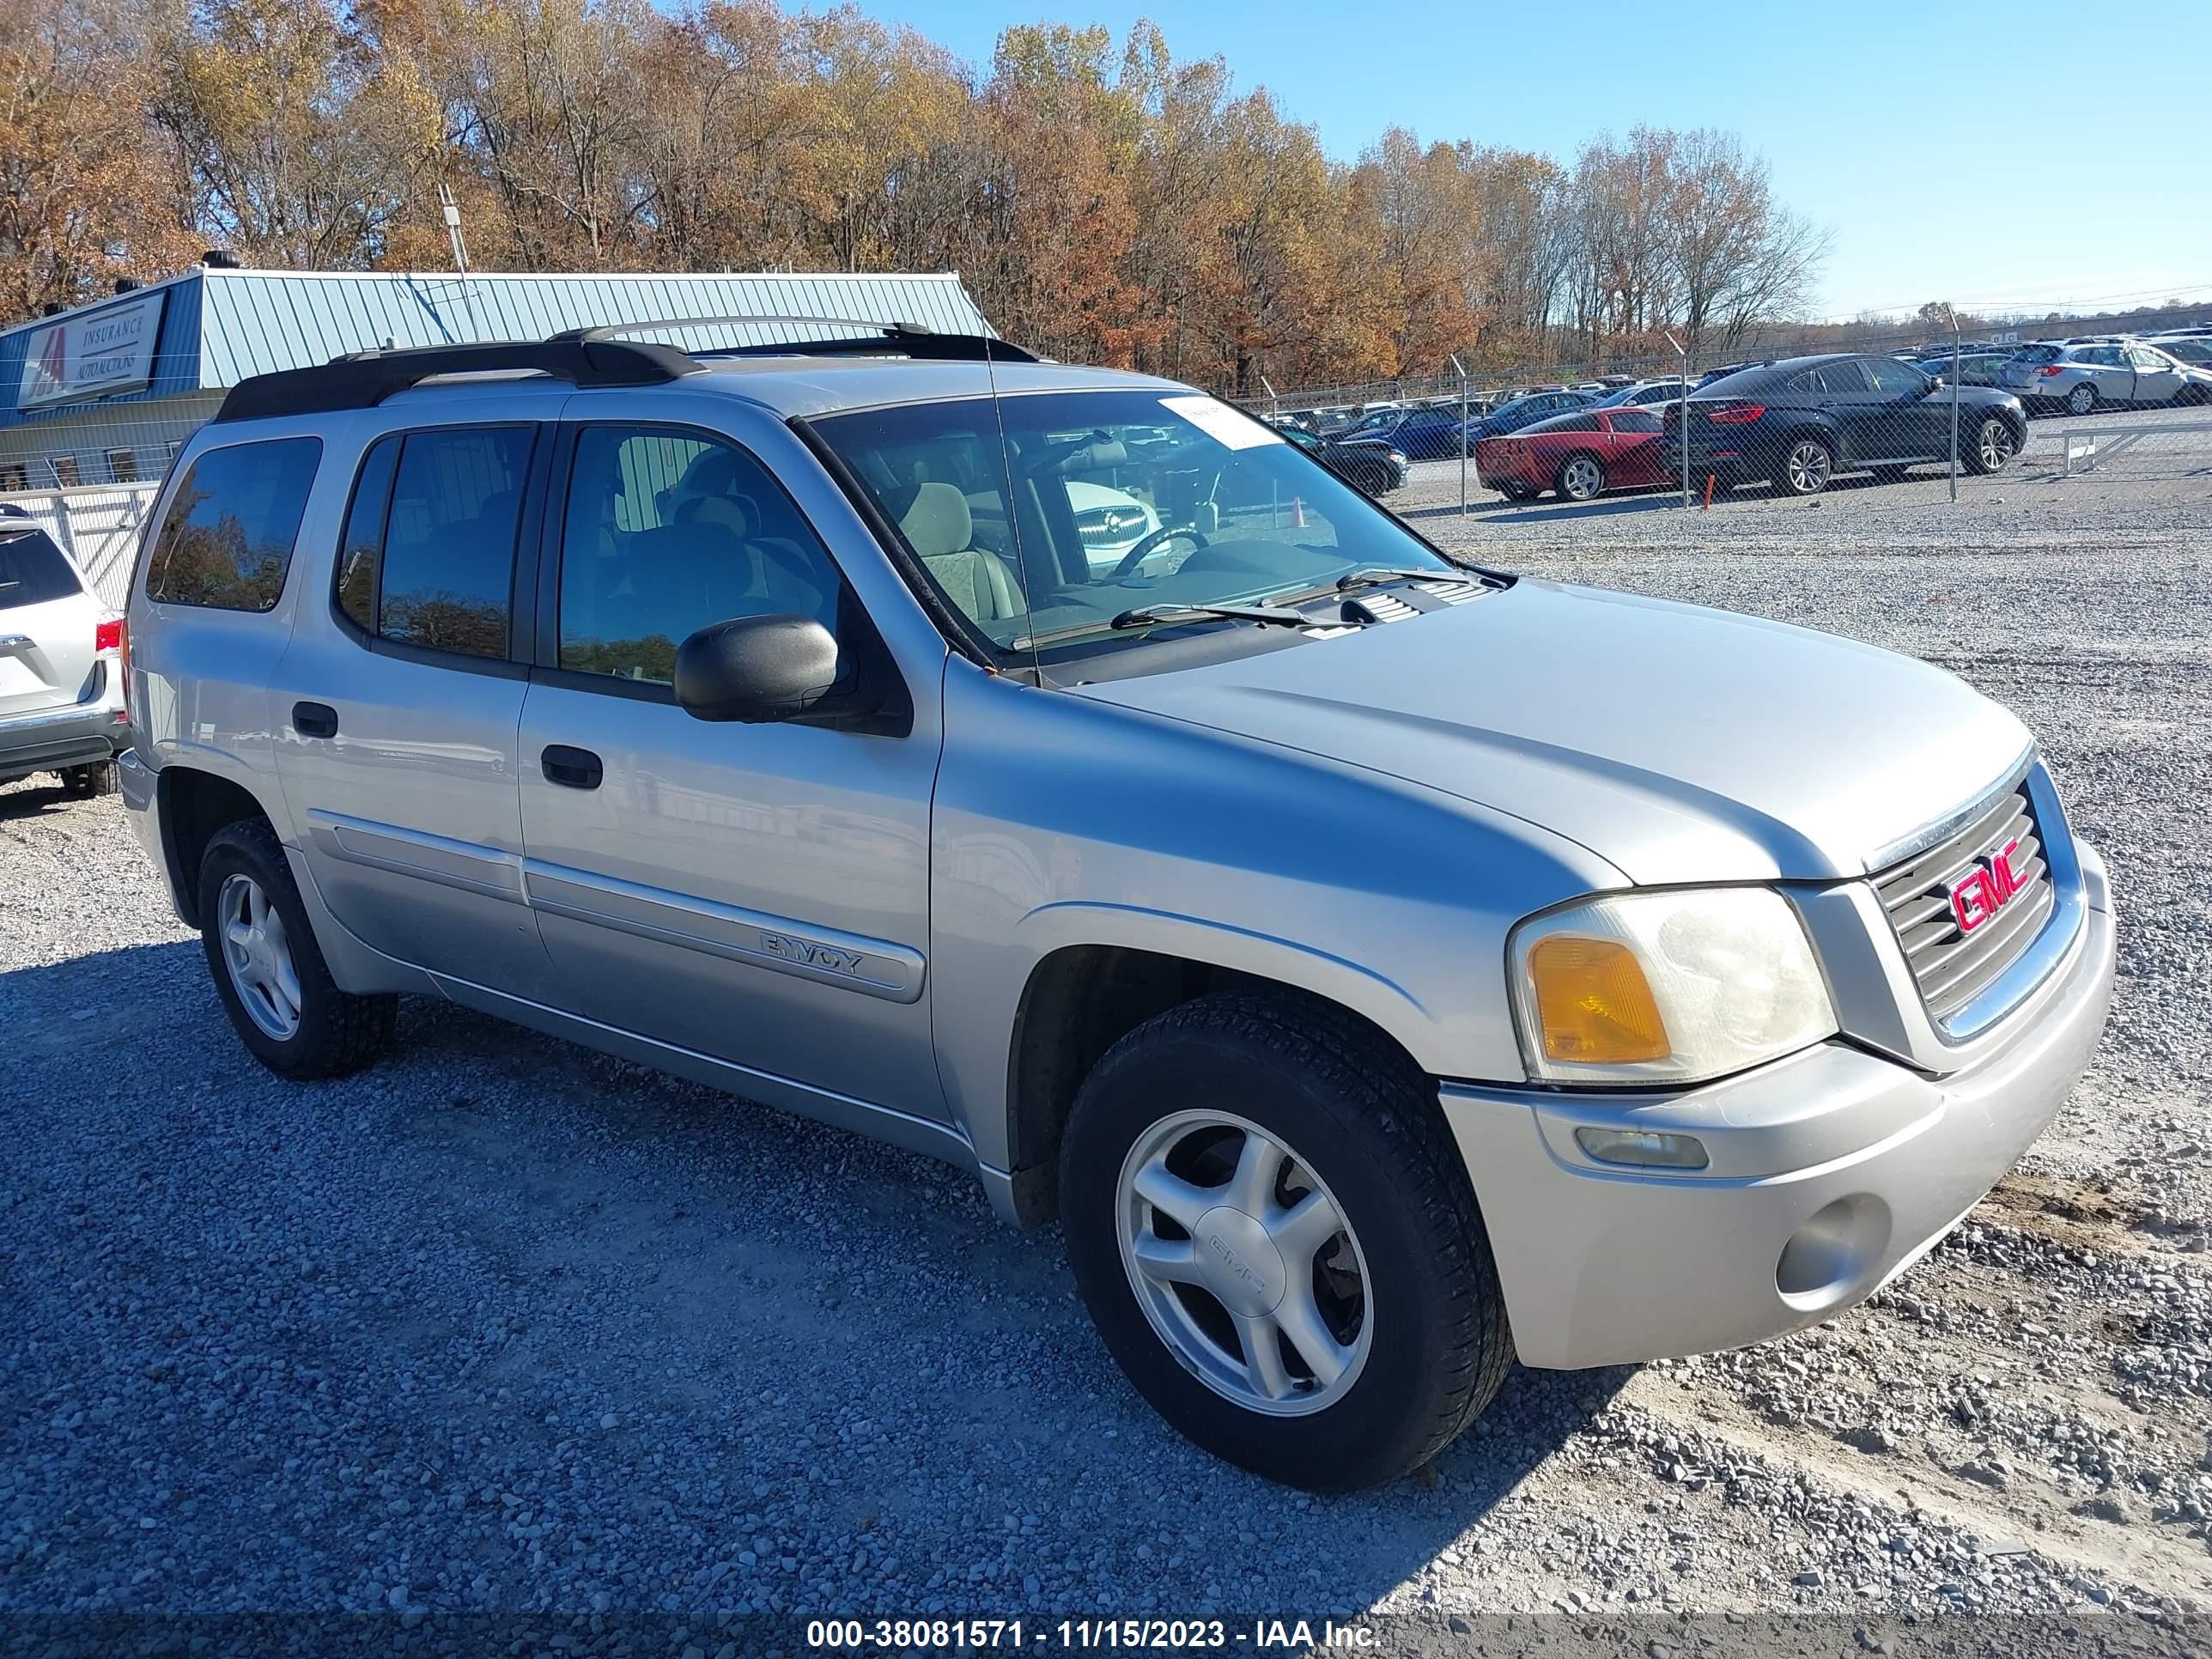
[61,665]
[1380,966]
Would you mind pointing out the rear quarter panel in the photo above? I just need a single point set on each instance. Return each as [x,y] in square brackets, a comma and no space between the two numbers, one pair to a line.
[199,676]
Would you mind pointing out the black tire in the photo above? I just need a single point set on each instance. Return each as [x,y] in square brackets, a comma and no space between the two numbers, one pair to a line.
[338,1031]
[87,783]
[1811,477]
[2076,403]
[1574,483]
[1992,445]
[1367,1122]
[1371,481]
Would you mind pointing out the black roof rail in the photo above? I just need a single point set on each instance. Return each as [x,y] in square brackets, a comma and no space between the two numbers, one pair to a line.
[363,379]
[904,339]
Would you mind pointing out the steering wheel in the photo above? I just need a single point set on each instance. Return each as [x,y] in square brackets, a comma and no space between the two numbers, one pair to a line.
[1150,545]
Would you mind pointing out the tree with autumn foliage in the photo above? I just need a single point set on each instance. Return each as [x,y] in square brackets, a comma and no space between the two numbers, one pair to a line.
[1103,201]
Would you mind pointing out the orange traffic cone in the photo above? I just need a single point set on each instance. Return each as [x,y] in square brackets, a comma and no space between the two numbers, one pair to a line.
[1298,512]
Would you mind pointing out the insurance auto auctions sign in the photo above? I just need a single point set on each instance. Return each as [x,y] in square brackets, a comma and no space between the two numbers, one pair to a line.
[94,354]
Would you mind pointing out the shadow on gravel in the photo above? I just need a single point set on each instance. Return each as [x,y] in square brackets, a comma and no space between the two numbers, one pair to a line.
[507,1277]
[35,800]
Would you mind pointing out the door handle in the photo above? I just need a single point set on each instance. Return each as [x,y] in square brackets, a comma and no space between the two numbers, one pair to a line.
[314,719]
[572,768]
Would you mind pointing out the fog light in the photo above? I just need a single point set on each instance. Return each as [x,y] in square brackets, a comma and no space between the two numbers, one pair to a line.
[1651,1147]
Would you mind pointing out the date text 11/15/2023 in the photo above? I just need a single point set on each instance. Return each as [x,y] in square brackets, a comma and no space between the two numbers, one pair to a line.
[1126,1635]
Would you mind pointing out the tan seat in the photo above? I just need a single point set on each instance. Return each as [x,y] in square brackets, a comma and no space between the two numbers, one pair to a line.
[938,526]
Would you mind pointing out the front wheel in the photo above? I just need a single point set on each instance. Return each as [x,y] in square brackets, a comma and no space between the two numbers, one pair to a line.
[1269,1222]
[268,968]
[1806,467]
[1994,444]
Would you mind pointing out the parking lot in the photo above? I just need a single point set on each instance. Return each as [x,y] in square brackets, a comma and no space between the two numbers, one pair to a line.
[501,1325]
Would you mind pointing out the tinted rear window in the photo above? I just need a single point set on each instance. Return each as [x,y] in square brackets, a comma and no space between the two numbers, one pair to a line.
[2036,354]
[226,541]
[32,568]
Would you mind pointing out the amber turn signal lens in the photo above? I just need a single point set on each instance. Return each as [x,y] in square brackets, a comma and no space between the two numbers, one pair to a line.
[1593,1003]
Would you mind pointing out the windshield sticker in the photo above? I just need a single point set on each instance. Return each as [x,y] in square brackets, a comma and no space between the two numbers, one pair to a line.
[1230,428]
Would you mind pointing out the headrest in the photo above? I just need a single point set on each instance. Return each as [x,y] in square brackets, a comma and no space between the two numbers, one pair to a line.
[716,510]
[939,522]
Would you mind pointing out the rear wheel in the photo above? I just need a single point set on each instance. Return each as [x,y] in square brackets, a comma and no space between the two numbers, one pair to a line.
[1995,443]
[1269,1222]
[1581,478]
[1806,466]
[2082,399]
[268,968]
[84,782]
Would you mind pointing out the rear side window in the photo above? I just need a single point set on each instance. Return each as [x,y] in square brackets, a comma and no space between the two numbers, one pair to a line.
[428,557]
[226,539]
[1635,420]
[32,568]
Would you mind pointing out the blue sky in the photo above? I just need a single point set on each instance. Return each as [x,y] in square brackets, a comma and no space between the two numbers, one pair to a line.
[2031,152]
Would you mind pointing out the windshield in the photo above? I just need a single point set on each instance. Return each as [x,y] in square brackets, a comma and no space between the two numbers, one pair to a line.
[1121,501]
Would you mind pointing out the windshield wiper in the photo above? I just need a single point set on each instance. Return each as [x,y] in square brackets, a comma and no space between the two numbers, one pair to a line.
[1152,615]
[1378,575]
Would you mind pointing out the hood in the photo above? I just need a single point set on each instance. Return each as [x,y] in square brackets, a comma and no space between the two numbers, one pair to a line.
[1679,744]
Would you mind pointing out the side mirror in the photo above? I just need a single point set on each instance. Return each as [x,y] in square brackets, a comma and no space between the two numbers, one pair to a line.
[759,669]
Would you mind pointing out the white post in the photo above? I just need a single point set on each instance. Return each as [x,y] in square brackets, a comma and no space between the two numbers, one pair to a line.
[1954,403]
[1464,444]
[1685,356]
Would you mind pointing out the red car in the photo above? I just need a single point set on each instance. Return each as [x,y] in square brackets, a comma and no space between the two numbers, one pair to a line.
[1581,455]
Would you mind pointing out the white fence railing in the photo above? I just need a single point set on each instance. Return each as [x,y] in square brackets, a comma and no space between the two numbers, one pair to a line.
[97,525]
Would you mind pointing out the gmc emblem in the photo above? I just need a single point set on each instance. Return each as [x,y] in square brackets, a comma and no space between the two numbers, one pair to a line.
[1986,888]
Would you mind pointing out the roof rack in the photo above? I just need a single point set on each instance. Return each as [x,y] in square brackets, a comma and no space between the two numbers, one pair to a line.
[363,379]
[876,339]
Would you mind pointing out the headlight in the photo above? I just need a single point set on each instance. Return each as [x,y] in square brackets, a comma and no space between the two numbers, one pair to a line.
[1398,458]
[1666,988]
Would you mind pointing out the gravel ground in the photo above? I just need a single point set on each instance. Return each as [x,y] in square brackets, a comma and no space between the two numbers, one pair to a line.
[502,1326]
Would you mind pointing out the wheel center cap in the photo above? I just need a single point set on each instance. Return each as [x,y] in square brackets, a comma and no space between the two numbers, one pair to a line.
[1239,1262]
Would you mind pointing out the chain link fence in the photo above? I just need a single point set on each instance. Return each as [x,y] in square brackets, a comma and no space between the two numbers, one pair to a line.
[1793,419]
[98,527]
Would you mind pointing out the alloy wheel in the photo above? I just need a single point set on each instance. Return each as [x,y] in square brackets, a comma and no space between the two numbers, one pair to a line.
[2082,399]
[259,956]
[1243,1263]
[1997,445]
[1581,479]
[1807,468]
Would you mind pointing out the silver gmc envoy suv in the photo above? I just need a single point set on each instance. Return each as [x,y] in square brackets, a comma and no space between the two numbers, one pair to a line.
[1382,968]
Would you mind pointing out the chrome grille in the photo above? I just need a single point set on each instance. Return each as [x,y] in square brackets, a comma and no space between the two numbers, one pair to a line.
[1954,967]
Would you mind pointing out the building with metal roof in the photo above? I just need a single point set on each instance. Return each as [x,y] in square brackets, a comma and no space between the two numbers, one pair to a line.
[105,393]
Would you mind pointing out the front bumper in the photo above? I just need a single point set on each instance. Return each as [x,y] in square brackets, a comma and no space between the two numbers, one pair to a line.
[79,734]
[1863,1164]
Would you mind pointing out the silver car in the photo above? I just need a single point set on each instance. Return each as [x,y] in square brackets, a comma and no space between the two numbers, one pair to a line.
[61,670]
[1382,968]
[2082,379]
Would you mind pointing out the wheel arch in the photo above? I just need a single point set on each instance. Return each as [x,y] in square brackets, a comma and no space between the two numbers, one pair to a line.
[1081,998]
[195,805]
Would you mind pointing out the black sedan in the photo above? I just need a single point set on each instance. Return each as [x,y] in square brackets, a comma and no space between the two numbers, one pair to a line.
[1801,422]
[1370,466]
